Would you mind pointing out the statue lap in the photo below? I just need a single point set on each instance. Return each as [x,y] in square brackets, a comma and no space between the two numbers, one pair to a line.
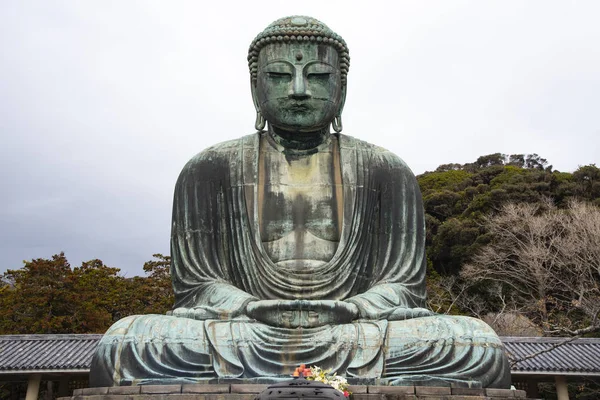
[437,350]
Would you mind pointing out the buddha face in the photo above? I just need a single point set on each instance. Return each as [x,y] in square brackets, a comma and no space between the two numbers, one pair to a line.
[298,86]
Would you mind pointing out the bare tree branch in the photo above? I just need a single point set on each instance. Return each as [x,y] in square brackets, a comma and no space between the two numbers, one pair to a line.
[514,361]
[548,260]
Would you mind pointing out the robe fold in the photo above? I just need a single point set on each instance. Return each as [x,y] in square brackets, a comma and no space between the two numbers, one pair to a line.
[219,263]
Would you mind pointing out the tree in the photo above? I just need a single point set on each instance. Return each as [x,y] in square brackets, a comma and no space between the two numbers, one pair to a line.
[517,160]
[35,299]
[47,296]
[450,294]
[98,295]
[490,159]
[454,243]
[587,180]
[547,260]
[156,290]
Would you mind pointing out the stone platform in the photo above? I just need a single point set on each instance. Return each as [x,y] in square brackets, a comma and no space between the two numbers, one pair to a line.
[249,392]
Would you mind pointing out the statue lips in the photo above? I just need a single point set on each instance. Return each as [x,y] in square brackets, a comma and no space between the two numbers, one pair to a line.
[299,107]
[296,106]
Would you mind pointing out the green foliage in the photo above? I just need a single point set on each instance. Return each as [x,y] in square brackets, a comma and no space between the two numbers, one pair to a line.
[456,197]
[439,298]
[455,241]
[157,288]
[36,298]
[440,180]
[48,296]
[587,181]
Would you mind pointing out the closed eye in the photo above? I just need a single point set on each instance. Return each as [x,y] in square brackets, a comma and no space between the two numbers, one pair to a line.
[279,75]
[319,75]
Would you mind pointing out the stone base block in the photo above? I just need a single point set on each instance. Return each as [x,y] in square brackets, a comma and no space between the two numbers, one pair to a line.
[249,392]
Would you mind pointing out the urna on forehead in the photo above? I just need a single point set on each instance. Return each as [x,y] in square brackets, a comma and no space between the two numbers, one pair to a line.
[298,29]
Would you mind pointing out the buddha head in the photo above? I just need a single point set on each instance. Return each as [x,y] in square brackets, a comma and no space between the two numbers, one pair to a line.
[298,68]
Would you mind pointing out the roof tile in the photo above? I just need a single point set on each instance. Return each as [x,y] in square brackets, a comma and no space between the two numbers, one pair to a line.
[38,352]
[580,356]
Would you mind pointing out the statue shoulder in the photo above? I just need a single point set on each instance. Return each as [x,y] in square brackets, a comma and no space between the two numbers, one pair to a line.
[220,150]
[217,158]
[381,156]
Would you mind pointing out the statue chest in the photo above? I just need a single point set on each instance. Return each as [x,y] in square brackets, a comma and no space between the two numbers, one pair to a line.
[299,206]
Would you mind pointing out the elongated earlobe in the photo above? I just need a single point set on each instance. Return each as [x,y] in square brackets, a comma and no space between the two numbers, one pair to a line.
[260,122]
[337,124]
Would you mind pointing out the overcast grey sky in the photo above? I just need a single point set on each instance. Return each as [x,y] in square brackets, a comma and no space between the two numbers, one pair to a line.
[102,102]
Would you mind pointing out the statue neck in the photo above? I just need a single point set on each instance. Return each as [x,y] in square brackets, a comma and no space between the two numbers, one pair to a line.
[298,143]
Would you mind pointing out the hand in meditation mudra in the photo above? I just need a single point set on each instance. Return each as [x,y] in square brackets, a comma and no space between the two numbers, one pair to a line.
[295,245]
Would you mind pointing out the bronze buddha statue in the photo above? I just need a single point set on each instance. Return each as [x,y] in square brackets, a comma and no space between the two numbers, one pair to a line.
[295,245]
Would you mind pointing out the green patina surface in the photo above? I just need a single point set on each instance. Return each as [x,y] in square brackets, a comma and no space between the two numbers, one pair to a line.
[295,245]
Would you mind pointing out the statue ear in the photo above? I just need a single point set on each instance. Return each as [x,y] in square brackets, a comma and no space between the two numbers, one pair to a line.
[260,122]
[254,97]
[336,124]
[342,102]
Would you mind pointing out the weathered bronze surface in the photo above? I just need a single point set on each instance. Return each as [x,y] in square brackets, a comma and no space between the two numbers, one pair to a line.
[297,246]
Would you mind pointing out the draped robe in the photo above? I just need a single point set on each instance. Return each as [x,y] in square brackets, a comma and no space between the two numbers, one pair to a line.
[219,265]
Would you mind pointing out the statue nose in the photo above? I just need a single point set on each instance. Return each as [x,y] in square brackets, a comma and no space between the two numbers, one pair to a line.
[299,88]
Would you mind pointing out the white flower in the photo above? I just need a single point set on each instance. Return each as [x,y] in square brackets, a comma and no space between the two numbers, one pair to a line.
[327,377]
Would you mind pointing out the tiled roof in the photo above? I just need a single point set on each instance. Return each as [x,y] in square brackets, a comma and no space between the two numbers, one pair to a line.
[46,352]
[74,352]
[553,355]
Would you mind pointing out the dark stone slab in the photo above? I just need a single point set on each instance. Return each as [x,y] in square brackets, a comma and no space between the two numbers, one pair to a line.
[432,397]
[500,393]
[167,397]
[392,389]
[93,391]
[461,397]
[432,390]
[369,396]
[161,389]
[468,391]
[102,397]
[247,388]
[466,397]
[356,389]
[206,389]
[124,390]
[226,396]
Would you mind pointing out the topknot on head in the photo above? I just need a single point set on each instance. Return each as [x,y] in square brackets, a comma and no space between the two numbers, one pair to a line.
[298,28]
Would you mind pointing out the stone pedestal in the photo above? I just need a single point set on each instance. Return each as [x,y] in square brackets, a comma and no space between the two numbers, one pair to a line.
[249,392]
